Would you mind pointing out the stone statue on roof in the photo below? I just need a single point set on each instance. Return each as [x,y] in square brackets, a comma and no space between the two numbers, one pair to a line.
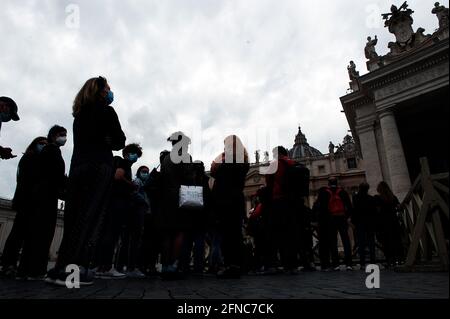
[442,14]
[331,147]
[352,73]
[369,50]
[399,22]
[257,156]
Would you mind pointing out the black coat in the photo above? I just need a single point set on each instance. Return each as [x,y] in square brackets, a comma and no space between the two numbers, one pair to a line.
[96,133]
[364,211]
[172,176]
[27,172]
[51,179]
[228,190]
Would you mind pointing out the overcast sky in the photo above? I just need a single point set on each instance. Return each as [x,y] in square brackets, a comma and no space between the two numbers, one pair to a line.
[207,67]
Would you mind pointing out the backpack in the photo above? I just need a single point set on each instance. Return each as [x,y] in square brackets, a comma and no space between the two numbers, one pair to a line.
[297,180]
[336,206]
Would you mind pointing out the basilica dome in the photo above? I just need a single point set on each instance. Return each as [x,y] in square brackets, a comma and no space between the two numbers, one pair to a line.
[301,148]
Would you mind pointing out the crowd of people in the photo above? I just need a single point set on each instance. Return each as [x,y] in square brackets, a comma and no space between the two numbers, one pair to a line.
[176,216]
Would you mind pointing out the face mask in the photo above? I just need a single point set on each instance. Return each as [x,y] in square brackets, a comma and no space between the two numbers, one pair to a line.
[145,176]
[109,97]
[40,147]
[132,157]
[61,140]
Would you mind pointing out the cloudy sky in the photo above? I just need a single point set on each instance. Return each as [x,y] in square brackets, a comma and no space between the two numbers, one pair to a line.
[258,68]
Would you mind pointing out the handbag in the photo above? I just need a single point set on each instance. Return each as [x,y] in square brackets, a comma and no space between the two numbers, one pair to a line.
[191,197]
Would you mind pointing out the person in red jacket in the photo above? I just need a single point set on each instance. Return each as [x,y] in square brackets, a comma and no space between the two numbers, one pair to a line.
[281,213]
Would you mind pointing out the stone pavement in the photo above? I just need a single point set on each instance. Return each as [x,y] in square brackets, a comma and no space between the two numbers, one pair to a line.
[315,285]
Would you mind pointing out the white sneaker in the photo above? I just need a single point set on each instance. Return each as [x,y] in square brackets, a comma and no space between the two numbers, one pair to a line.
[349,268]
[135,274]
[110,274]
[337,268]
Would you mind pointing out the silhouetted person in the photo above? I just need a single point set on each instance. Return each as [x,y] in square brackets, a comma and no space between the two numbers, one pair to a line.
[49,187]
[96,133]
[229,170]
[364,219]
[334,206]
[173,220]
[118,213]
[282,210]
[27,173]
[390,230]
[152,238]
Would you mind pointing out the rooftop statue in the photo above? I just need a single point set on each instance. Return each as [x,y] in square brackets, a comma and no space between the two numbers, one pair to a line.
[352,73]
[369,50]
[442,14]
[399,22]
[331,148]
[257,156]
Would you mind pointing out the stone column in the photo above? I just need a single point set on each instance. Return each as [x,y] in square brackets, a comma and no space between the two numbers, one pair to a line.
[396,162]
[369,151]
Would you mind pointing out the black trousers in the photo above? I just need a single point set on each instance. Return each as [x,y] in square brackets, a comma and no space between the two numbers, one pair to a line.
[151,243]
[86,204]
[230,229]
[40,233]
[114,226]
[366,239]
[329,227]
[16,238]
[283,232]
[131,238]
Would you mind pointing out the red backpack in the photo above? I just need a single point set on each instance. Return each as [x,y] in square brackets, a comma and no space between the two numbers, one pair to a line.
[336,206]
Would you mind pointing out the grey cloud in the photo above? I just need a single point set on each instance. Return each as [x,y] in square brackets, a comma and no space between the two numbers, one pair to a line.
[232,65]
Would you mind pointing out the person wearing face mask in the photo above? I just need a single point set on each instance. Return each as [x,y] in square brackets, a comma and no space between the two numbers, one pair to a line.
[8,112]
[97,132]
[49,186]
[27,172]
[132,236]
[117,213]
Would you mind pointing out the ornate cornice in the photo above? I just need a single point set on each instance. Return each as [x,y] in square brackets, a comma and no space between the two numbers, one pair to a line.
[415,63]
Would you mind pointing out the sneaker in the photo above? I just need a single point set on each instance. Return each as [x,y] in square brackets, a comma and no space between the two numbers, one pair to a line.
[110,274]
[135,274]
[337,268]
[59,278]
[326,269]
[349,268]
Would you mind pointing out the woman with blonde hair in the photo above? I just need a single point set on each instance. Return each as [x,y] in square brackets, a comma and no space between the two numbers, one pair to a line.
[96,133]
[229,171]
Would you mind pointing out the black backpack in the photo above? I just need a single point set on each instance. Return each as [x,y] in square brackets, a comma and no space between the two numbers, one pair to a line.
[297,180]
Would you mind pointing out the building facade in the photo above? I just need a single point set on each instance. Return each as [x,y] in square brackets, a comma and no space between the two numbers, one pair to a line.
[342,161]
[398,111]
